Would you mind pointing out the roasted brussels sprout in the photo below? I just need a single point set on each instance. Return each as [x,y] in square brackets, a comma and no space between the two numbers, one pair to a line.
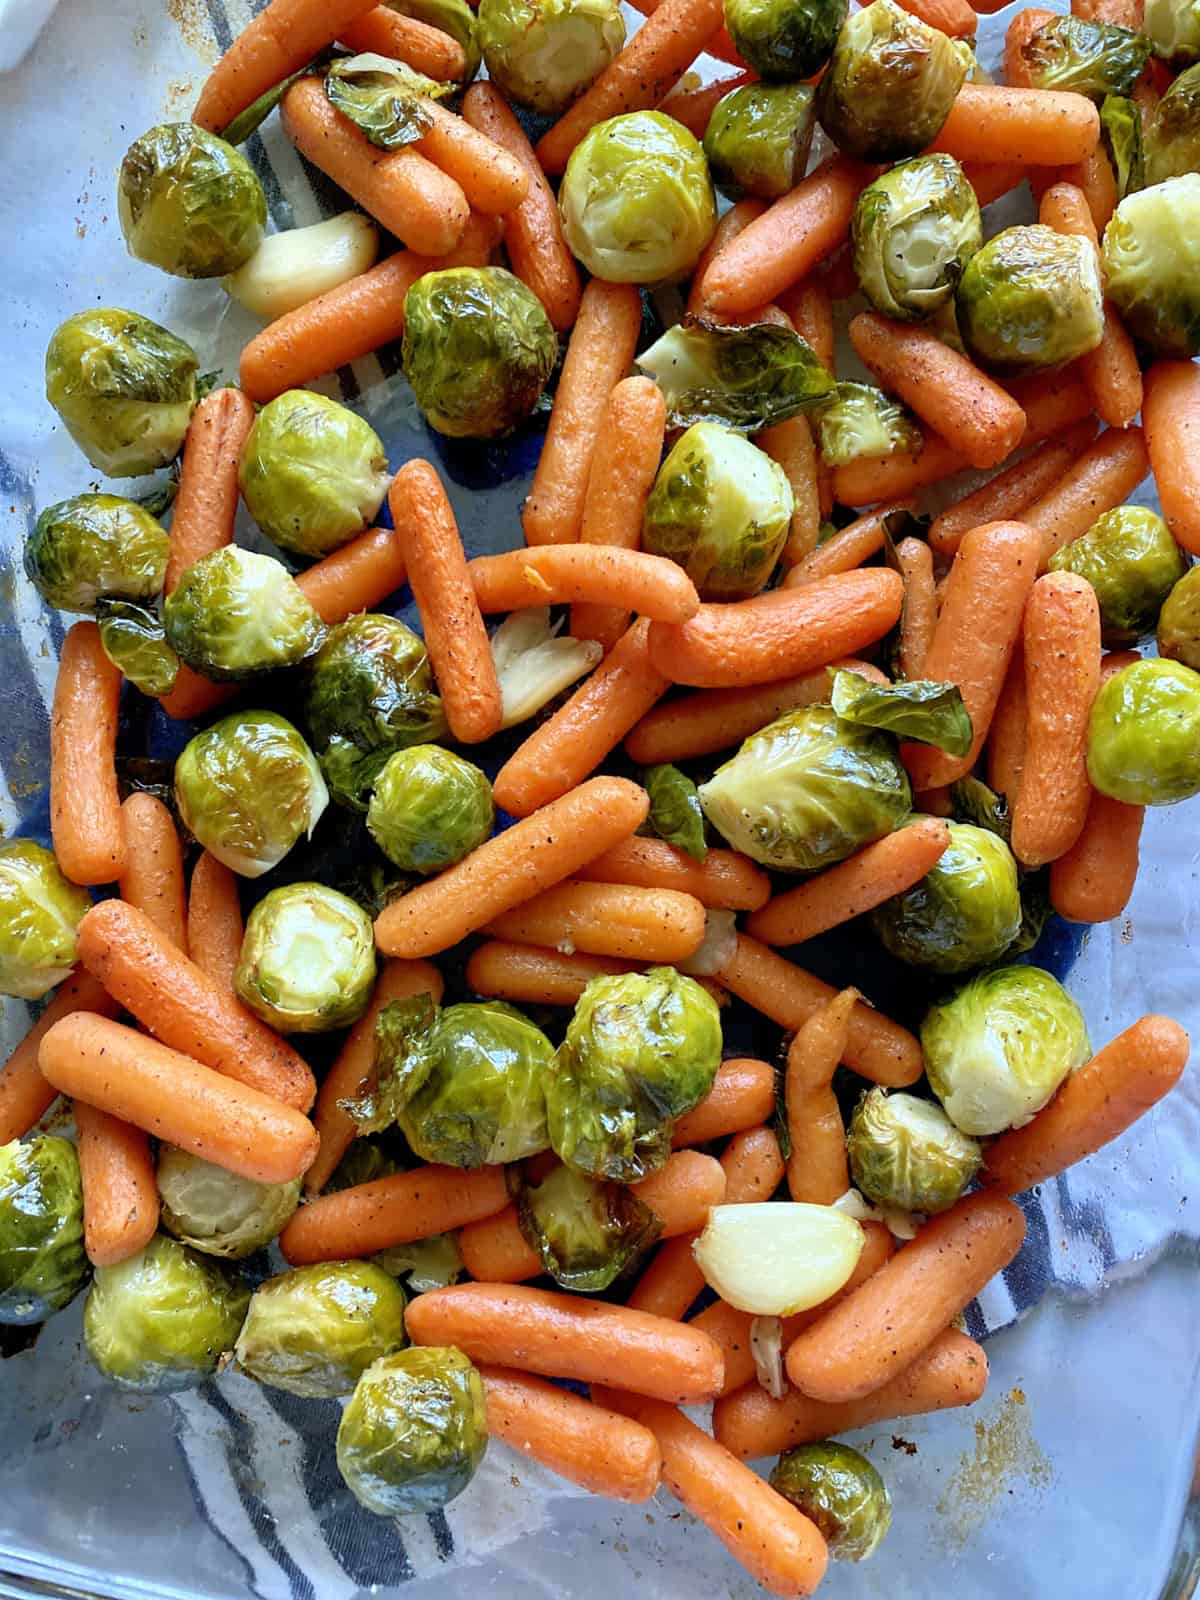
[1173,132]
[454,17]
[913,231]
[637,201]
[1144,734]
[42,1264]
[308,959]
[928,713]
[746,377]
[217,1212]
[1173,28]
[235,613]
[429,808]
[720,508]
[890,84]
[640,1050]
[758,138]
[134,640]
[784,40]
[963,913]
[1179,622]
[535,661]
[386,100]
[1122,135]
[124,387]
[1087,57]
[586,1231]
[478,350]
[808,790]
[860,420]
[1031,298]
[838,1489]
[163,1319]
[314,1331]
[906,1153]
[414,1431]
[248,788]
[544,53]
[189,203]
[1152,265]
[312,474]
[39,913]
[424,1264]
[95,545]
[1131,561]
[998,1047]
[675,811]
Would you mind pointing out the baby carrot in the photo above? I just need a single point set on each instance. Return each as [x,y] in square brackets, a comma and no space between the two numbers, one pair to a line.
[816,1167]
[390,1211]
[598,1449]
[25,1096]
[563,574]
[1037,127]
[742,1096]
[693,107]
[184,1007]
[791,445]
[207,499]
[598,356]
[353,1067]
[873,478]
[1093,880]
[512,867]
[1103,477]
[1006,737]
[1093,1107]
[736,220]
[153,876]
[493,181]
[919,617]
[356,577]
[1123,13]
[494,1250]
[214,920]
[194,696]
[120,1196]
[85,808]
[560,753]
[1172,421]
[718,45]
[724,880]
[607,919]
[809,306]
[177,1099]
[991,180]
[847,549]
[1095,178]
[526,975]
[1017,36]
[953,17]
[385,32]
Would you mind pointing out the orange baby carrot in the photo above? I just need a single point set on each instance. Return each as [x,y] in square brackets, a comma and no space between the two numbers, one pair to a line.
[1172,421]
[1093,880]
[385,32]
[153,876]
[1103,477]
[25,1096]
[533,235]
[1122,13]
[607,919]
[207,499]
[177,1099]
[816,1167]
[493,181]
[809,306]
[389,1211]
[194,696]
[184,1007]
[919,617]
[954,17]
[993,179]
[354,578]
[1095,179]
[792,446]
[512,867]
[85,808]
[563,574]
[598,356]
[718,45]
[120,1196]
[1037,127]
[352,1071]
[736,220]
[1006,737]
[873,478]
[214,920]
[847,549]
[494,1249]
[693,107]
[742,1096]
[527,975]
[724,880]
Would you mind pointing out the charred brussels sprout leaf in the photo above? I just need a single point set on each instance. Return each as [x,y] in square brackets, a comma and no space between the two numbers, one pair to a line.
[1179,622]
[544,53]
[745,377]
[1152,265]
[220,1213]
[784,39]
[95,546]
[860,420]
[963,913]
[429,809]
[1173,28]
[1031,298]
[1173,134]
[133,639]
[39,913]
[1144,734]
[586,1231]
[308,959]
[403,1060]
[42,1264]
[928,713]
[1086,57]
[913,231]
[675,812]
[1122,135]
[384,99]
[758,138]
[839,1490]
[974,802]
[189,202]
[1131,561]
[236,613]
[316,1330]
[906,1153]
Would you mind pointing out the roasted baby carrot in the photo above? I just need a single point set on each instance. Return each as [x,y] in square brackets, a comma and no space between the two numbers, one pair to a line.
[816,1167]
[120,1196]
[1006,737]
[563,574]
[607,919]
[809,306]
[494,1250]
[953,17]
[736,220]
[214,920]
[1037,127]
[1093,880]
[153,876]
[1172,421]
[356,577]
[718,45]
[694,106]
[847,549]
[742,1096]
[390,1211]
[385,32]
[493,181]
[919,617]
[874,478]
[207,498]
[792,446]
[85,808]
[1103,477]
[993,179]
[724,880]
[25,1096]
[527,975]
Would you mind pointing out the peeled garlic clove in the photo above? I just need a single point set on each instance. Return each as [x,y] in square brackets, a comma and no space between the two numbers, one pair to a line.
[289,269]
[778,1257]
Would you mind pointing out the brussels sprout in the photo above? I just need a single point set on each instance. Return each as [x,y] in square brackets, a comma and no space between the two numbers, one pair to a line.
[1031,298]
[808,790]
[386,100]
[314,1331]
[291,268]
[544,53]
[1144,734]
[163,1319]
[1173,132]
[838,1489]
[308,959]
[758,138]
[220,1213]
[963,913]
[784,40]
[93,546]
[133,639]
[535,660]
[972,801]
[39,913]
[637,201]
[189,203]
[312,474]
[1152,265]
[640,1050]
[124,387]
[1131,561]
[906,1153]
[454,17]
[998,1047]
[929,713]
[1173,28]
[430,808]
[746,377]
[913,231]
[42,1264]
[720,508]
[1179,622]
[860,420]
[478,350]
[890,84]
[248,788]
[675,812]
[235,613]
[586,1231]
[424,1264]
[414,1431]
[1122,136]
[1092,58]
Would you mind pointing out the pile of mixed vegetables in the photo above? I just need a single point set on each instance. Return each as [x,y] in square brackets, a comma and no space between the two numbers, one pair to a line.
[756,694]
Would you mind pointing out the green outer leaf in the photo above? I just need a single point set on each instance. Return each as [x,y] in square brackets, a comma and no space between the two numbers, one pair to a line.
[748,377]
[929,713]
[256,113]
[384,99]
[586,1231]
[402,1062]
[1121,131]
[132,638]
[1087,57]
[675,813]
[972,801]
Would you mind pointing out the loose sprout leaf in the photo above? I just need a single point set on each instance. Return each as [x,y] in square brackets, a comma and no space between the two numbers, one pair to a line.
[384,99]
[746,377]
[675,813]
[535,661]
[929,713]
[1121,131]
[256,113]
[860,420]
[972,801]
[586,1231]
[132,638]
[1086,57]
[403,1060]
[425,1264]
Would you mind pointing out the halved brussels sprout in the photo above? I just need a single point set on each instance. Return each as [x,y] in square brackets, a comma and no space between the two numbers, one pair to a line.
[424,1264]
[124,387]
[162,1320]
[535,660]
[39,913]
[1122,135]
[429,808]
[220,1213]
[746,377]
[235,613]
[637,201]
[308,959]
[775,1258]
[1173,28]
[454,17]
[808,790]
[386,100]
[925,712]
[312,473]
[837,1488]
[314,1331]
[784,39]
[720,508]
[93,546]
[913,231]
[1152,265]
[1031,298]
[134,640]
[998,1047]
[1131,561]
[1173,131]
[675,811]
[860,420]
[586,1231]
[890,84]
[907,1154]
[42,1264]
[189,203]
[963,913]
[1087,57]
[1179,622]
[248,788]
[1144,734]
[288,269]
[414,1431]
[478,350]
[544,53]
[758,138]
[640,1050]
